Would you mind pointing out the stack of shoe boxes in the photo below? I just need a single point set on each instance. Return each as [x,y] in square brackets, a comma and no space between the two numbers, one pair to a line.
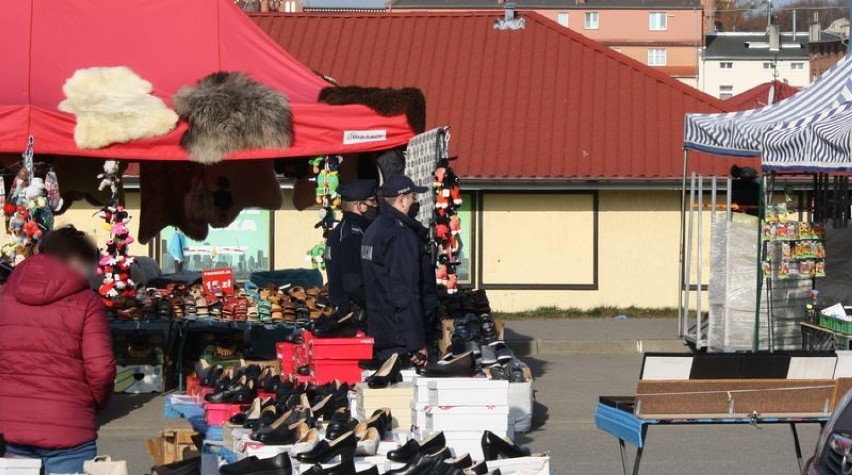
[396,397]
[337,358]
[463,408]
[20,466]
[322,360]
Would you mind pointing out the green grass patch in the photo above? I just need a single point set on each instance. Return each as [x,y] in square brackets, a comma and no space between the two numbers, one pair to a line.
[597,312]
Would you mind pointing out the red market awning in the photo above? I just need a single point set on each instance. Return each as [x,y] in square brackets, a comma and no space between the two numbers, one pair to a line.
[171,44]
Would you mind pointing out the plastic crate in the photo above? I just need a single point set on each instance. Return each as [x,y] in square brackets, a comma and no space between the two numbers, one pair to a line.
[827,322]
[218,414]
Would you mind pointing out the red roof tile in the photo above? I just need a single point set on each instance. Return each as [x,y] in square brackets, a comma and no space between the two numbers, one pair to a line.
[758,96]
[542,102]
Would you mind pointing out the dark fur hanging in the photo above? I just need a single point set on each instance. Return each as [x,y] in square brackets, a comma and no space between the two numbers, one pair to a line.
[228,112]
[387,102]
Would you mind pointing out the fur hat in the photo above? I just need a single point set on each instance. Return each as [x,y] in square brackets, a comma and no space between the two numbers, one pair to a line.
[114,105]
[228,112]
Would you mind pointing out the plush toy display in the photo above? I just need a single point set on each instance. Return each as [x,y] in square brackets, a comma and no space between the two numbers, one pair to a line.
[315,256]
[28,214]
[447,225]
[327,181]
[118,289]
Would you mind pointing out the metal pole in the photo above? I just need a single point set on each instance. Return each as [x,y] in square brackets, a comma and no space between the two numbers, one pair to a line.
[688,256]
[760,214]
[699,317]
[680,314]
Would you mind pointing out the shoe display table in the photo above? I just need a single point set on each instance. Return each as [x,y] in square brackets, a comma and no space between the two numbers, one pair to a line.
[615,417]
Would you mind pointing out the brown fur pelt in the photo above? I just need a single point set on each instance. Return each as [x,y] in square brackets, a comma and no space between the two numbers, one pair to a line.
[228,112]
[386,101]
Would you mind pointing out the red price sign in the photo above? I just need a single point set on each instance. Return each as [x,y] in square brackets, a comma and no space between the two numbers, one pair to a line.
[223,278]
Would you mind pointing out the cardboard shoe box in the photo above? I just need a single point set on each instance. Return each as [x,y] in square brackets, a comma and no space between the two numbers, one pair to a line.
[170,446]
[468,392]
[463,418]
[397,396]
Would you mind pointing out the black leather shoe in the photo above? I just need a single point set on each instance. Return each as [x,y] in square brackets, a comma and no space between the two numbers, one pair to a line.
[329,405]
[213,375]
[412,448]
[370,471]
[341,422]
[461,366]
[239,393]
[279,433]
[452,466]
[388,374]
[494,447]
[424,463]
[334,328]
[344,446]
[346,467]
[278,465]
[304,370]
[381,420]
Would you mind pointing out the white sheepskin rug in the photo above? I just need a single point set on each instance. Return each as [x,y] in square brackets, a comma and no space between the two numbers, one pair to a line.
[114,105]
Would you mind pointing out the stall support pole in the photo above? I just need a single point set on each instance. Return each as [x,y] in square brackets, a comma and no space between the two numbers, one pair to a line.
[688,256]
[699,260]
[682,327]
[760,256]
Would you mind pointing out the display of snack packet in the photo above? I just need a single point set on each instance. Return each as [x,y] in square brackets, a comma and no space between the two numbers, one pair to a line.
[780,232]
[767,269]
[818,231]
[781,211]
[805,231]
[771,215]
[820,249]
[768,232]
[784,269]
[770,251]
[792,231]
[805,268]
[819,268]
[786,251]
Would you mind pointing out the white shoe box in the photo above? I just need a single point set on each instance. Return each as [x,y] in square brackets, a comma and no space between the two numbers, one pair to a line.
[12,465]
[522,466]
[521,406]
[468,392]
[463,418]
[138,379]
[421,386]
[418,416]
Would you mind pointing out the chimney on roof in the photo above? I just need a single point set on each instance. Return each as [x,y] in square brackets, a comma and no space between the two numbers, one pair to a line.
[774,38]
[814,29]
[510,20]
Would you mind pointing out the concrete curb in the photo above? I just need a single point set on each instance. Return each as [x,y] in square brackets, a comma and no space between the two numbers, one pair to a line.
[601,347]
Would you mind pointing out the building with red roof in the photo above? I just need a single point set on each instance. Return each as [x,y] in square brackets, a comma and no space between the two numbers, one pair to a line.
[761,95]
[570,152]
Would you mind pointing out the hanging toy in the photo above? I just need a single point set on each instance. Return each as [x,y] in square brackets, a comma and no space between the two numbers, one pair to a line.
[315,256]
[51,184]
[110,177]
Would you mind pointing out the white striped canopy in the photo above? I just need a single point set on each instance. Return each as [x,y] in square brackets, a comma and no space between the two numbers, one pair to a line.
[741,134]
[818,142]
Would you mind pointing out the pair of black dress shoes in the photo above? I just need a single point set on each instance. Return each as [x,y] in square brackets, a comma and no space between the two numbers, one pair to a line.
[278,465]
[334,327]
[240,392]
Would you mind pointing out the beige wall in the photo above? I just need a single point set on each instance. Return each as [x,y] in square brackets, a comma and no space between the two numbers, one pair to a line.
[638,257]
[745,75]
[294,234]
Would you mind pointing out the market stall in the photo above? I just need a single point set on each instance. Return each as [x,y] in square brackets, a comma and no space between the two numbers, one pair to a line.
[761,282]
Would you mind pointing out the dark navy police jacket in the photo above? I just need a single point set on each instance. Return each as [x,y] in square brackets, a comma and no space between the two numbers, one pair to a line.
[399,280]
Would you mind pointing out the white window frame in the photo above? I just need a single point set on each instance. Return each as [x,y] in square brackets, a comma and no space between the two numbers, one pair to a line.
[767,66]
[726,92]
[563,15]
[588,24]
[663,27]
[653,58]
[726,65]
[797,66]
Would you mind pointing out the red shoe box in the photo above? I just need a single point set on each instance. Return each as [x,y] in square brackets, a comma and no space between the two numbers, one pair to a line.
[264,395]
[358,348]
[218,414]
[346,371]
[286,352]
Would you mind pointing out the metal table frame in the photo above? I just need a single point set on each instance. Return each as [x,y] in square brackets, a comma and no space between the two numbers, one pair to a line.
[628,428]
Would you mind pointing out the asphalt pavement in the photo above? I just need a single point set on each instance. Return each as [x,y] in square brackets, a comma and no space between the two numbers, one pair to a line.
[567,389]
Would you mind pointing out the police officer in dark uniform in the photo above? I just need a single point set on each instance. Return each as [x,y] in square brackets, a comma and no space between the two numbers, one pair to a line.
[343,246]
[399,276]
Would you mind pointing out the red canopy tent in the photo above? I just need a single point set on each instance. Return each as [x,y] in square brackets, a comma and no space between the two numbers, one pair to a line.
[171,44]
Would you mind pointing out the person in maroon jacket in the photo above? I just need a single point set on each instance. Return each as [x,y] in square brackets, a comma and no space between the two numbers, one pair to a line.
[57,369]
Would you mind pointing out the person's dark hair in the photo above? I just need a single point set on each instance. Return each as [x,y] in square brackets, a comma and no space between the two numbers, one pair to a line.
[68,242]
